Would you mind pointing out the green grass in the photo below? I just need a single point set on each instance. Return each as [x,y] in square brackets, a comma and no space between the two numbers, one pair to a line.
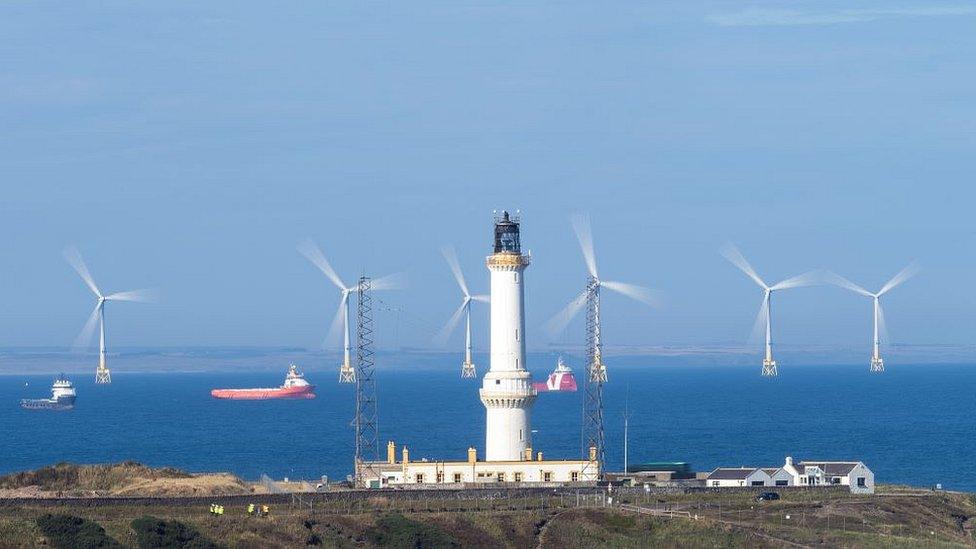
[71,532]
[395,530]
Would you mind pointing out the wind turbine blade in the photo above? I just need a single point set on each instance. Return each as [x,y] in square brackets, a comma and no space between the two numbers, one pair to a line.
[144,296]
[584,233]
[314,254]
[481,298]
[74,259]
[810,278]
[730,252]
[395,281]
[452,261]
[906,273]
[758,334]
[445,332]
[84,337]
[558,323]
[639,293]
[831,277]
[335,329]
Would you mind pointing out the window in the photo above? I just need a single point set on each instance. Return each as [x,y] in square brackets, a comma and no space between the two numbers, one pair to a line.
[420,478]
[782,483]
[516,276]
[440,477]
[518,477]
[547,477]
[457,477]
[516,334]
[861,483]
[498,382]
[501,477]
[520,434]
[758,483]
[574,476]
[835,480]
[714,483]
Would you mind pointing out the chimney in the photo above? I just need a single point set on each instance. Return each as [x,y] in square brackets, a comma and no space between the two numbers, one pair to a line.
[539,456]
[592,453]
[528,454]
[390,452]
[472,455]
[789,460]
[406,455]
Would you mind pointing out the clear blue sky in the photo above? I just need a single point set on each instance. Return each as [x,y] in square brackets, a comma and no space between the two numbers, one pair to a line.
[191,146]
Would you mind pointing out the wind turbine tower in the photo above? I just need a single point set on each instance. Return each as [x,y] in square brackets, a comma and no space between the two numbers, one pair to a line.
[468,369]
[102,373]
[877,363]
[765,316]
[593,430]
[347,374]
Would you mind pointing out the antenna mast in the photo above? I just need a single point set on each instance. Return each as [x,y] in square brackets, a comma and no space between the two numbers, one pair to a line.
[367,436]
[593,437]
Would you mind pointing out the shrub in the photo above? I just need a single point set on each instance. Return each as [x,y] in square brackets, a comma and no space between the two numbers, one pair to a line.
[395,530]
[152,532]
[74,532]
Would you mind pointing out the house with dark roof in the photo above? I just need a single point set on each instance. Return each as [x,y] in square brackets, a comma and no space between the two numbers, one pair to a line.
[726,477]
[853,474]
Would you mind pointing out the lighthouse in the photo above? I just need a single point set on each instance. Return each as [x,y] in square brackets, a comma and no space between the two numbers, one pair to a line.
[507,391]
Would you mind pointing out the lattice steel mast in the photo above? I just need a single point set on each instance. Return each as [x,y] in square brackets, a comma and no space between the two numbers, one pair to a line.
[596,376]
[367,436]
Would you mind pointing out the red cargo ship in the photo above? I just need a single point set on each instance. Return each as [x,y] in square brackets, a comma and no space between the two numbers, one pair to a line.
[295,386]
[560,380]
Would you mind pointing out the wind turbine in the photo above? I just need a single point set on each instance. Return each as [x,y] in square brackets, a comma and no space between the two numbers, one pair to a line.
[347,374]
[593,432]
[591,294]
[468,369]
[877,364]
[102,373]
[810,278]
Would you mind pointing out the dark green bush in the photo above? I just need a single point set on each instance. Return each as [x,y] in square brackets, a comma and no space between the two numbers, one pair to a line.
[74,532]
[396,530]
[313,539]
[152,532]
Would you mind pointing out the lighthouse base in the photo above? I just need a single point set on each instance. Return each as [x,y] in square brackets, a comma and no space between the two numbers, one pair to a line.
[877,365]
[769,368]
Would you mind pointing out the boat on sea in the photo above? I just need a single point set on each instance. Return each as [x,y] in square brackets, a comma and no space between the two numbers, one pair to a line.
[62,397]
[295,386]
[560,380]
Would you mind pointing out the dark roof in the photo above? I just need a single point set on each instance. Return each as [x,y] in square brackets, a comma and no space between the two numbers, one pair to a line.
[730,473]
[839,468]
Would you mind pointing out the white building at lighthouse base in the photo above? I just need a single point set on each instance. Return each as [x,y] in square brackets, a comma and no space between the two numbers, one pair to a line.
[533,470]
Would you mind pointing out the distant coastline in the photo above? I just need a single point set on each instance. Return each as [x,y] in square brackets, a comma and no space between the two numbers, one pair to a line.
[51,360]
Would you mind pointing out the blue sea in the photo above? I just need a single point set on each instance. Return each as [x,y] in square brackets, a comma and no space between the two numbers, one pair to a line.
[914,424]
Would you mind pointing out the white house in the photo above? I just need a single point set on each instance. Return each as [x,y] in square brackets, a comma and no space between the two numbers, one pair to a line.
[726,477]
[854,474]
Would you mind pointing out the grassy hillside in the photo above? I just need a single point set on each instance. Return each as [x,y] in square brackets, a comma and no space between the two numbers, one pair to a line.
[118,479]
[898,519]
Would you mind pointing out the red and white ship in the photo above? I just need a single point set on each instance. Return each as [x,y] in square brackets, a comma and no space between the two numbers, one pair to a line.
[295,386]
[560,380]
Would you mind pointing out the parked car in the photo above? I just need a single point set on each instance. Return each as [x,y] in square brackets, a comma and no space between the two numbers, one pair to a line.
[767,496]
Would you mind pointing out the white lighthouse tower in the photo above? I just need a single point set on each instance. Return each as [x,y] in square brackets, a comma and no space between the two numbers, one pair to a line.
[507,391]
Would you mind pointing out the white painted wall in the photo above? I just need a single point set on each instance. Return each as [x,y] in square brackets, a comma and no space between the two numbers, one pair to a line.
[506,390]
